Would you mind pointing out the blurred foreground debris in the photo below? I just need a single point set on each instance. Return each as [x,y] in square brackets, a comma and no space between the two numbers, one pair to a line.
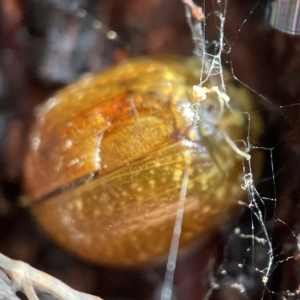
[284,15]
[17,276]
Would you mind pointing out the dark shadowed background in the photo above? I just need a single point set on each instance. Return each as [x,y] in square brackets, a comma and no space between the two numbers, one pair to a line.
[47,44]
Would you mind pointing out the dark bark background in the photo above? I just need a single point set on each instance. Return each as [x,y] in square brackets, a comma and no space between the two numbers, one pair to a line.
[35,61]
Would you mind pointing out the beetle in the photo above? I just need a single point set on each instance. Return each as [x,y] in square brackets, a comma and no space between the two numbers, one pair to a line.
[98,145]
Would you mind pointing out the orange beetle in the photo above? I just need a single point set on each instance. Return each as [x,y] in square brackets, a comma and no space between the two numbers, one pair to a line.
[107,156]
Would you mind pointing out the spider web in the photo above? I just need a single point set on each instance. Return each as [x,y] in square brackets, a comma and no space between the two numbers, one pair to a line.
[262,255]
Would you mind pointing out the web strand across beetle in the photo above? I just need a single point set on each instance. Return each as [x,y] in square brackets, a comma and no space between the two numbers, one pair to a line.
[167,288]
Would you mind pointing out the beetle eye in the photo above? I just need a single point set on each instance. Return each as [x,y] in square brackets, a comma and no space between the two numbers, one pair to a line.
[209,115]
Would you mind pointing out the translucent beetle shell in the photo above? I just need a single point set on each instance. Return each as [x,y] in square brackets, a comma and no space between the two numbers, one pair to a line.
[107,156]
